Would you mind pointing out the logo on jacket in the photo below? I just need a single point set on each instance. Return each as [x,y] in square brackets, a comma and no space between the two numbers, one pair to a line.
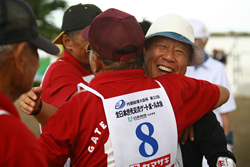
[120,104]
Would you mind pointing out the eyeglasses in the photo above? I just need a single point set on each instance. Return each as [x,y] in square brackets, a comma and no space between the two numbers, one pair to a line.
[88,48]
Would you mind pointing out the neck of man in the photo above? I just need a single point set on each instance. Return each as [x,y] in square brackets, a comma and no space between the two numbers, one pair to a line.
[82,60]
[87,67]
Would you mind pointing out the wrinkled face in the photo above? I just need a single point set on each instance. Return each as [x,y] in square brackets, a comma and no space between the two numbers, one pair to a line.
[91,61]
[79,49]
[165,55]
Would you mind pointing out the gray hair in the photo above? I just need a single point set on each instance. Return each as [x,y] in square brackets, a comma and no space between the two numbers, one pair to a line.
[72,34]
[5,51]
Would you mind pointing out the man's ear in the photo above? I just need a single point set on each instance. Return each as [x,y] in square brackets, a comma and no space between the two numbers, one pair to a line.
[67,41]
[205,42]
[18,58]
[98,64]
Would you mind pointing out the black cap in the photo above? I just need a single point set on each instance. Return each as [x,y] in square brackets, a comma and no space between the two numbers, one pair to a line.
[18,24]
[77,17]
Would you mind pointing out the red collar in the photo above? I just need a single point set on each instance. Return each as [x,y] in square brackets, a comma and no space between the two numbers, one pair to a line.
[7,105]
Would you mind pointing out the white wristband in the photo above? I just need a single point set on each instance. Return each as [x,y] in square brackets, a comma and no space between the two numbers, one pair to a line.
[225,162]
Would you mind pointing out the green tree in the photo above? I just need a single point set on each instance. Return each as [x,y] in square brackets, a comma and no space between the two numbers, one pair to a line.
[42,10]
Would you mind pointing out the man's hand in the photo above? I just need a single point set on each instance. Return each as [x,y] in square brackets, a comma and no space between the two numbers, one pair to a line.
[184,135]
[30,101]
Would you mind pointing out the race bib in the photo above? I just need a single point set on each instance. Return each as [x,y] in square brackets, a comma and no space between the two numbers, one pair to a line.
[142,128]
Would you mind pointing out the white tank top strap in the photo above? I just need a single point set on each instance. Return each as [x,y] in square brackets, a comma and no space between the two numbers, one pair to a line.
[81,85]
[159,84]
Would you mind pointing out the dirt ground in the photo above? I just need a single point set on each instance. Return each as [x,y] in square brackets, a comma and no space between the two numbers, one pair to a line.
[239,123]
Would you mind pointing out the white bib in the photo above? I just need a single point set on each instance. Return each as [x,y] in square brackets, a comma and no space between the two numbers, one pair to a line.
[88,78]
[142,128]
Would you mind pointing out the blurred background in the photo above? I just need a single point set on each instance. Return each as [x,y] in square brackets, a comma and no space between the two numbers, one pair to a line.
[227,20]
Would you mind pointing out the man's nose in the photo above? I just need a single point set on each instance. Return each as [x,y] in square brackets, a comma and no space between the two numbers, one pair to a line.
[169,56]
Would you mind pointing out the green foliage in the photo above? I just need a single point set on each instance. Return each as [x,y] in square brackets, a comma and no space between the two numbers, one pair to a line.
[36,83]
[42,10]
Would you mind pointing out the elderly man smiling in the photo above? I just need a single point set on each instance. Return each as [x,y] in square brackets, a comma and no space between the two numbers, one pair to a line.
[170,48]
[159,49]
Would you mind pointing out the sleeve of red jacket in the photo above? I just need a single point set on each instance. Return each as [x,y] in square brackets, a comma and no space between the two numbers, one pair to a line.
[57,140]
[200,98]
[60,83]
[190,98]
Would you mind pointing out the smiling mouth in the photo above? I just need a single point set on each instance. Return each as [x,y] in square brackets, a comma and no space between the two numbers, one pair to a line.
[164,69]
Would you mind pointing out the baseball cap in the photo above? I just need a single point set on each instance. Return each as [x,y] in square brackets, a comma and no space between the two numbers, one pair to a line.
[176,27]
[18,24]
[111,31]
[77,17]
[200,30]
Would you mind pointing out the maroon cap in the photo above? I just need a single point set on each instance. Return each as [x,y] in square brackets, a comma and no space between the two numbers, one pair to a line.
[111,31]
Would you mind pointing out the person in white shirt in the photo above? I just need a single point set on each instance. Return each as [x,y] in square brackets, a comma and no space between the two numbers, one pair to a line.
[213,71]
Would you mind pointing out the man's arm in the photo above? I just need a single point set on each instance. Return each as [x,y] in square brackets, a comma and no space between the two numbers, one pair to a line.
[225,121]
[29,102]
[209,141]
[224,96]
